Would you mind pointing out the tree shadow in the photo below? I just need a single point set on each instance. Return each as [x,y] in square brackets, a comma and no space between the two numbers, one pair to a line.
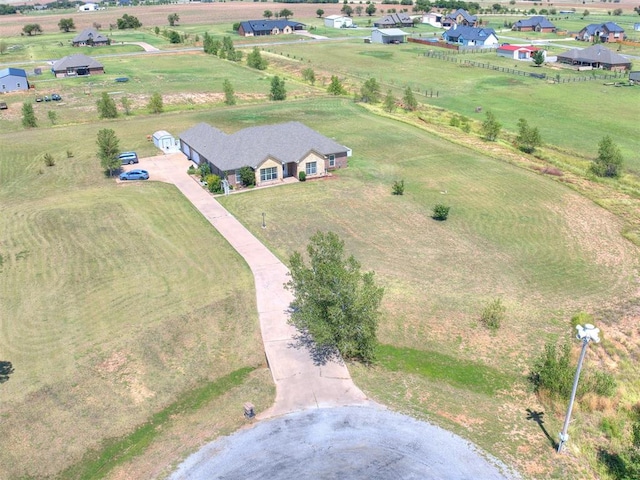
[614,464]
[321,354]
[538,417]
[6,369]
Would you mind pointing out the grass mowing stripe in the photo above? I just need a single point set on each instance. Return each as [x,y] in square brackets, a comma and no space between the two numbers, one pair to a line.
[96,464]
[437,366]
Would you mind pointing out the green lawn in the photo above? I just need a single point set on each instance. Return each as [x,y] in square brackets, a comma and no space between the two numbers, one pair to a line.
[116,301]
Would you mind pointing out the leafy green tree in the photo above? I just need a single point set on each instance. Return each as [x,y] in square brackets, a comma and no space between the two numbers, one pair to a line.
[208,44]
[390,102]
[156,105]
[440,212]
[267,14]
[228,51]
[422,6]
[334,302]
[370,91]
[32,29]
[319,13]
[106,106]
[173,19]
[308,75]
[528,137]
[336,87]
[359,10]
[108,150]
[128,21]
[347,10]
[53,117]
[370,10]
[490,127]
[229,93]
[609,161]
[538,58]
[3,47]
[409,100]
[28,116]
[126,105]
[66,25]
[585,13]
[174,37]
[286,13]
[255,60]
[247,176]
[278,91]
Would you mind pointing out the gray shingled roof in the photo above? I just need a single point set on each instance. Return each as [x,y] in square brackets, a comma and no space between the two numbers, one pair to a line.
[75,61]
[285,142]
[88,33]
[535,21]
[593,54]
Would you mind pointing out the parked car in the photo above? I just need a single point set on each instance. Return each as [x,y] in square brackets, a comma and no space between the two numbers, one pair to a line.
[55,97]
[128,158]
[39,99]
[135,175]
[3,105]
[47,98]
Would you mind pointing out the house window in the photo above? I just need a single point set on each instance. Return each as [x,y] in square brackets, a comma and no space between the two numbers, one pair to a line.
[312,168]
[332,160]
[18,85]
[269,173]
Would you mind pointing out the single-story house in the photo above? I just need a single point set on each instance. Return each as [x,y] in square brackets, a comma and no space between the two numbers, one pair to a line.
[388,35]
[605,32]
[90,37]
[165,141]
[88,7]
[471,36]
[596,56]
[536,23]
[394,20]
[433,18]
[460,17]
[517,52]
[634,78]
[338,21]
[13,79]
[76,65]
[255,28]
[273,152]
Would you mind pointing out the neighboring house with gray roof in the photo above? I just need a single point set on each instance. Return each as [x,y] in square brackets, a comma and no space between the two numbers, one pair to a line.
[603,32]
[394,20]
[76,65]
[90,37]
[274,152]
[597,56]
[536,23]
[460,17]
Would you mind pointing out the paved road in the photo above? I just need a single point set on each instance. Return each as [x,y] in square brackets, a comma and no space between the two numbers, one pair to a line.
[342,443]
[300,382]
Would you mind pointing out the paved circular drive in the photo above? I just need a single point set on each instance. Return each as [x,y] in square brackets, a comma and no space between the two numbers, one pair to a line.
[342,443]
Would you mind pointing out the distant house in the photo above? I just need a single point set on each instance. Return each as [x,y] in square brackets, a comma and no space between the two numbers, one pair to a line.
[255,28]
[636,27]
[471,36]
[90,37]
[604,32]
[634,78]
[88,7]
[76,65]
[273,152]
[388,35]
[596,56]
[432,18]
[534,24]
[517,52]
[13,79]
[460,17]
[394,20]
[337,21]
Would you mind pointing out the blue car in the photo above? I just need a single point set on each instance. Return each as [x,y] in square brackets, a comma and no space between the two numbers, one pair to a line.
[135,175]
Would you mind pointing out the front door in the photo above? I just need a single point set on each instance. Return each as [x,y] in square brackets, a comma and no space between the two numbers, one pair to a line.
[285,170]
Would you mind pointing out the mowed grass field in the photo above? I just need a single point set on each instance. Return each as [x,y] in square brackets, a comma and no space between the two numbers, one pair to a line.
[544,250]
[116,301]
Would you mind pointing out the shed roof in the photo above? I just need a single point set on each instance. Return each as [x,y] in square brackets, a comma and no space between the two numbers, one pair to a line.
[75,61]
[14,72]
[161,133]
[392,32]
[514,48]
[285,142]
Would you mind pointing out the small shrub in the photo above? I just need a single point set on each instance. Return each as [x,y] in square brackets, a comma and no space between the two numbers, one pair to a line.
[214,184]
[493,314]
[440,212]
[398,187]
[455,121]
[204,169]
[247,176]
[49,161]
[69,154]
[602,383]
[302,176]
[191,170]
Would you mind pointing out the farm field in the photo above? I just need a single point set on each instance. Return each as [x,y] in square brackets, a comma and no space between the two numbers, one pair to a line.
[138,302]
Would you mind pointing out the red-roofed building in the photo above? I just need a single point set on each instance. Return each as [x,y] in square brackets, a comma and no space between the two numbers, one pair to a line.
[517,52]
